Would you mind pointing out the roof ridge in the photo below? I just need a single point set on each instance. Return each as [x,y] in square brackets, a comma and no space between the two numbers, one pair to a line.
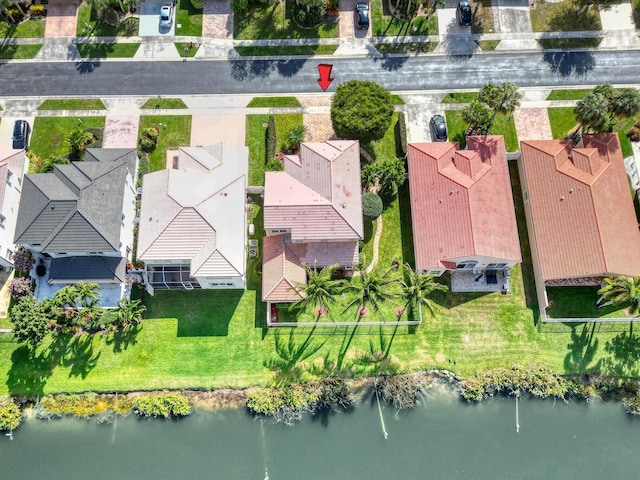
[59,227]
[164,228]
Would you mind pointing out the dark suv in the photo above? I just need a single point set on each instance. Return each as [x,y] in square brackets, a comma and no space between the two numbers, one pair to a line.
[463,12]
[21,134]
[362,16]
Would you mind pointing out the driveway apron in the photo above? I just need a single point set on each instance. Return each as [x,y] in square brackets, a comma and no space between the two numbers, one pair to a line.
[62,16]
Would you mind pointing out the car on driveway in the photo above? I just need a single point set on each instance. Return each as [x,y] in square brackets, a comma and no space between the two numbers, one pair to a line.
[362,16]
[438,127]
[463,12]
[166,15]
[20,137]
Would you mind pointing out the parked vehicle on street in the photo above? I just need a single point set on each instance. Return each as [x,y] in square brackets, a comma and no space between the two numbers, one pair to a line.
[166,15]
[362,16]
[438,127]
[463,12]
[20,137]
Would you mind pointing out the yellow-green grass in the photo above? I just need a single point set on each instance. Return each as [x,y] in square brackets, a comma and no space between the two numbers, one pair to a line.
[562,17]
[385,24]
[488,45]
[175,131]
[257,141]
[268,102]
[107,50]
[261,51]
[27,29]
[5,323]
[50,133]
[186,49]
[570,94]
[267,20]
[570,43]
[483,18]
[89,25]
[164,103]
[502,125]
[19,52]
[72,104]
[188,19]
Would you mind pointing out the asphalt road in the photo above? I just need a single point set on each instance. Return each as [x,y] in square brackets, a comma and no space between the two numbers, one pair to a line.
[300,75]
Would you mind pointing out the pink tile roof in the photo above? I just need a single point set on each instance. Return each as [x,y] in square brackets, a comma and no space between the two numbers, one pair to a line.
[318,196]
[461,202]
[584,223]
[324,254]
[282,271]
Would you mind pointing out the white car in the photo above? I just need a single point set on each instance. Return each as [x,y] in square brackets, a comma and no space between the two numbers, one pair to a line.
[166,15]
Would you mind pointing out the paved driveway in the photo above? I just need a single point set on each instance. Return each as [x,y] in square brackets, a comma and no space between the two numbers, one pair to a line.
[150,20]
[120,131]
[61,18]
[447,21]
[347,20]
[532,124]
[514,16]
[6,132]
[217,19]
[210,129]
[618,17]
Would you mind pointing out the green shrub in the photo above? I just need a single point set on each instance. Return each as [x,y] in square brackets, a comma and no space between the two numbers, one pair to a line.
[274,165]
[147,144]
[272,137]
[152,132]
[309,16]
[536,380]
[634,133]
[401,131]
[361,110]
[162,405]
[10,414]
[85,405]
[371,205]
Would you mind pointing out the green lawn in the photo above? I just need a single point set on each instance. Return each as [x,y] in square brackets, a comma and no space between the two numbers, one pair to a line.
[259,51]
[165,103]
[561,17]
[482,18]
[189,18]
[73,104]
[396,100]
[579,302]
[268,102]
[88,25]
[570,43]
[488,45]
[264,21]
[176,134]
[502,126]
[406,47]
[107,50]
[257,141]
[385,24]
[186,49]
[27,29]
[460,97]
[50,133]
[571,94]
[635,5]
[19,52]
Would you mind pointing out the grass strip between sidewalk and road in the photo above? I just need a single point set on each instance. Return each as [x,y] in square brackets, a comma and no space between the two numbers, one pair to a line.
[259,51]
[72,104]
[19,52]
[107,50]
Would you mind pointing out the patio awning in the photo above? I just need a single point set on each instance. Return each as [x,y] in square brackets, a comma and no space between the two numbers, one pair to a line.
[87,269]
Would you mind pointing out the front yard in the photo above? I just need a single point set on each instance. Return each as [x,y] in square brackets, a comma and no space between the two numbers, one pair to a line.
[563,17]
[385,24]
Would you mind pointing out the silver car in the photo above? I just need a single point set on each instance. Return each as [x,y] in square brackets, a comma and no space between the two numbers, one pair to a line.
[166,15]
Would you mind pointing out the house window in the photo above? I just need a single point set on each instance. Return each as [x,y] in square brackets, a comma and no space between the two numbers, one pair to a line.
[9,175]
[525,195]
[2,220]
[278,230]
[492,265]
[9,253]
[466,265]
[501,265]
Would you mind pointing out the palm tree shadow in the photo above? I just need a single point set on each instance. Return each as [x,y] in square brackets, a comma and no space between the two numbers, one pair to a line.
[289,355]
[29,372]
[122,339]
[624,355]
[582,350]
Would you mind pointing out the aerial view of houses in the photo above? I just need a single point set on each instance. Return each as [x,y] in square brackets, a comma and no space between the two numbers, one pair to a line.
[294,206]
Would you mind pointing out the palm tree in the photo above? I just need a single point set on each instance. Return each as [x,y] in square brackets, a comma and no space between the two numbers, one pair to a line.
[67,297]
[77,141]
[621,290]
[503,99]
[88,294]
[130,312]
[477,116]
[320,291]
[626,103]
[296,136]
[371,290]
[416,289]
[592,111]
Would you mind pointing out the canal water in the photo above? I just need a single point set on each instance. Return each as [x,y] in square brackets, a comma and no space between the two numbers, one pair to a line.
[444,439]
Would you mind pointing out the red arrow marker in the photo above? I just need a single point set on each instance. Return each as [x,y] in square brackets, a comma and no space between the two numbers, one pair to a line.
[325,76]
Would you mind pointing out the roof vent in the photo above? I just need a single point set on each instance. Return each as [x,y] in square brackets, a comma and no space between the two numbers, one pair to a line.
[562,198]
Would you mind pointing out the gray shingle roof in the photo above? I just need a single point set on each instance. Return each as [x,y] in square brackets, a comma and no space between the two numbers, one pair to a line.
[77,207]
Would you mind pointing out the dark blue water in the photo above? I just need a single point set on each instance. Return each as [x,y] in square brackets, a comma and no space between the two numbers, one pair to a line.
[445,439]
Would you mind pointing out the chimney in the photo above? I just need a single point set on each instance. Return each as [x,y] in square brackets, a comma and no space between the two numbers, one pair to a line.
[586,159]
[468,162]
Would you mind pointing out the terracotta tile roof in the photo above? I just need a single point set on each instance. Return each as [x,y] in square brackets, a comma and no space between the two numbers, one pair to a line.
[318,196]
[282,271]
[324,254]
[584,223]
[461,202]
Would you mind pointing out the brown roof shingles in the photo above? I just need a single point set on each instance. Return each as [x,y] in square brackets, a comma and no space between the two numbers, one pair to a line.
[584,223]
[461,202]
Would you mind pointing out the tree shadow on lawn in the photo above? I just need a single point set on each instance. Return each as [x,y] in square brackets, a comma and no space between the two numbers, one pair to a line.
[582,350]
[122,340]
[624,355]
[30,368]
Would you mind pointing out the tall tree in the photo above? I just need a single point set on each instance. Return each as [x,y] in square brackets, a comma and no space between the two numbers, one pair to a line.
[371,290]
[30,320]
[130,312]
[621,290]
[592,111]
[320,292]
[477,116]
[77,141]
[503,98]
[625,103]
[88,294]
[416,289]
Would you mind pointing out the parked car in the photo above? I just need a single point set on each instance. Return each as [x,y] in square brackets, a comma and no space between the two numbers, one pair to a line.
[166,15]
[362,16]
[20,137]
[463,12]
[438,126]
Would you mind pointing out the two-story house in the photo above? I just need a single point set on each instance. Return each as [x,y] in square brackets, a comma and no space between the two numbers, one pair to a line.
[13,168]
